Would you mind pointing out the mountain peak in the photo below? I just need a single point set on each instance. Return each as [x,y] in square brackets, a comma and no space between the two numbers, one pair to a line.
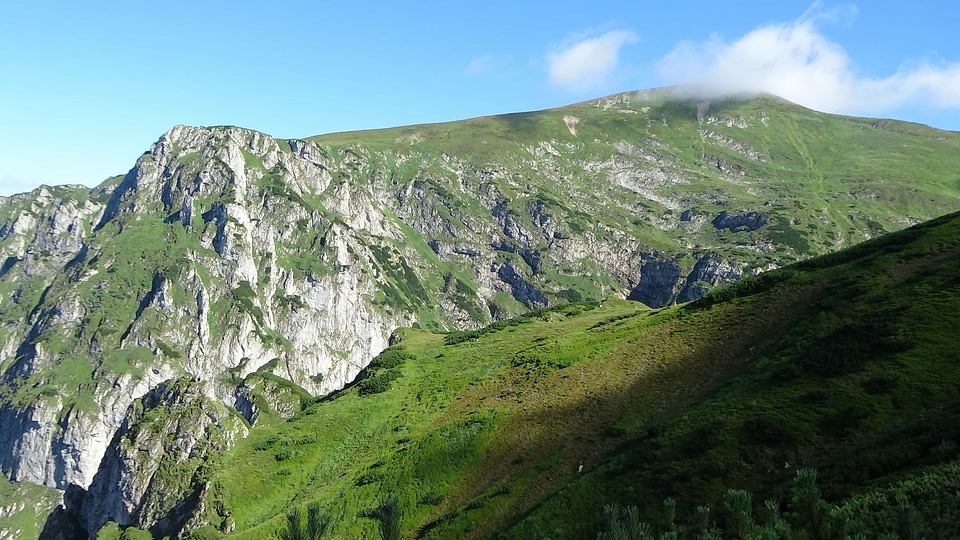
[270,270]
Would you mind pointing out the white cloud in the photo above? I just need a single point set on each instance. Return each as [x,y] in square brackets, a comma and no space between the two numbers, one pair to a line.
[588,63]
[795,61]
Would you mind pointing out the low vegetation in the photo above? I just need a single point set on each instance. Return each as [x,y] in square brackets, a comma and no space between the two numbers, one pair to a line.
[533,425]
[813,402]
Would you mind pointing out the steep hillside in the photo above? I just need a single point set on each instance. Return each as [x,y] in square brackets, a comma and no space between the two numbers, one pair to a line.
[760,182]
[236,274]
[846,364]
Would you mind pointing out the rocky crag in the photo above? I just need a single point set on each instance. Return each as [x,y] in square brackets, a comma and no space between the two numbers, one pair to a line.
[231,273]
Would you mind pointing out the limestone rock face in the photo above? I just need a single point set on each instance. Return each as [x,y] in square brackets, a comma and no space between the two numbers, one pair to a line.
[151,475]
[185,266]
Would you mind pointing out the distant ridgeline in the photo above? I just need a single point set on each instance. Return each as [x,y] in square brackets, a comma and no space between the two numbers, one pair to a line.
[151,327]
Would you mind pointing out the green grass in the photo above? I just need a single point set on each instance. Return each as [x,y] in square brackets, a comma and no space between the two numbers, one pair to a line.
[619,387]
[37,503]
[825,182]
[482,433]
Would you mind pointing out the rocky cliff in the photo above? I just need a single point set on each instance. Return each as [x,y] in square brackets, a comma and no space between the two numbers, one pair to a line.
[227,259]
[152,475]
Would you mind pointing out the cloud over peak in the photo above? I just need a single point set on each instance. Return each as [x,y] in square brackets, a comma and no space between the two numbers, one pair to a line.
[588,63]
[795,61]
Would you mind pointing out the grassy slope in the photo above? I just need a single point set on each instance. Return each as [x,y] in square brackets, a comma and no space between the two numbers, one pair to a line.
[846,363]
[832,180]
[14,497]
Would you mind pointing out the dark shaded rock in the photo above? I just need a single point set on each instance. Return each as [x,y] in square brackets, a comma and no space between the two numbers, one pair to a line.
[658,281]
[523,291]
[445,249]
[711,270]
[749,221]
[62,524]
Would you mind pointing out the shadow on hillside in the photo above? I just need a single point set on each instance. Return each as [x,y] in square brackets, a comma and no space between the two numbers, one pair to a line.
[854,399]
[568,418]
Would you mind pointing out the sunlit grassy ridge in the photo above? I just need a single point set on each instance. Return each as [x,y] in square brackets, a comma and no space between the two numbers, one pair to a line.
[825,181]
[846,363]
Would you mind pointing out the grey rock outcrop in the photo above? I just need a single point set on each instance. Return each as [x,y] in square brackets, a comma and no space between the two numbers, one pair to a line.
[257,395]
[152,473]
[711,270]
[745,222]
[658,282]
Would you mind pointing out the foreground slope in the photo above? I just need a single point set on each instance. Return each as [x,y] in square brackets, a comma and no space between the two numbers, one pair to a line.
[846,363]
[229,272]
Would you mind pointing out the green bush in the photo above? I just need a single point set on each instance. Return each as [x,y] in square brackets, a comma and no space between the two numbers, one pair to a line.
[453,338]
[389,513]
[377,383]
[207,532]
[390,358]
[767,432]
[570,295]
[315,527]
[924,506]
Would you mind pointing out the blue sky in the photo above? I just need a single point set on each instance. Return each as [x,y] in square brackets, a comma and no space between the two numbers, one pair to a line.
[86,87]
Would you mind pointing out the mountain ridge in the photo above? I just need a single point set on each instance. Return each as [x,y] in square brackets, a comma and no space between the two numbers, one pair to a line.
[234,259]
